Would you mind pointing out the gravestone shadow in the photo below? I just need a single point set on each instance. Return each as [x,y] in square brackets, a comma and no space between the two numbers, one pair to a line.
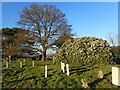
[79,71]
[94,83]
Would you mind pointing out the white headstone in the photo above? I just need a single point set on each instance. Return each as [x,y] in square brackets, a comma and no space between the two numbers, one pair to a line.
[45,71]
[63,67]
[67,67]
[24,61]
[7,64]
[116,76]
[20,64]
[33,64]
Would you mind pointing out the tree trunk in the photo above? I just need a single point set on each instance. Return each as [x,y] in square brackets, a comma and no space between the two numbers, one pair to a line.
[44,55]
[9,58]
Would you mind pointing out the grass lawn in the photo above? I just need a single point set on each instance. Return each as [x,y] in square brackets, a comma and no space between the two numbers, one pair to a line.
[33,76]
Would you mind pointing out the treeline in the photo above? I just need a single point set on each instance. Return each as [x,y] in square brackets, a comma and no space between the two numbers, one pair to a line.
[18,43]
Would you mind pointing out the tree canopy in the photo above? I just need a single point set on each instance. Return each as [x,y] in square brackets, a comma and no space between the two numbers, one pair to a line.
[16,41]
[46,22]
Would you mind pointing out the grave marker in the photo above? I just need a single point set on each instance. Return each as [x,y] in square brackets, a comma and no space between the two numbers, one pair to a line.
[6,64]
[33,64]
[45,71]
[24,61]
[100,74]
[61,64]
[67,67]
[63,67]
[84,83]
[116,76]
[20,64]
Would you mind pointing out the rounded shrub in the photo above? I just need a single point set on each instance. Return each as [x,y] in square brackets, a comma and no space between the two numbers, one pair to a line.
[84,51]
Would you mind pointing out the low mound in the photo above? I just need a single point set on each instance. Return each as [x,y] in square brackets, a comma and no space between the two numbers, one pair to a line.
[85,50]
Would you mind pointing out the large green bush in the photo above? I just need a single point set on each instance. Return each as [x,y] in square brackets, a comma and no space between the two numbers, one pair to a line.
[84,51]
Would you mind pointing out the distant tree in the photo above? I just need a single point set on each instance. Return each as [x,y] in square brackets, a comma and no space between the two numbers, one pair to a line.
[113,40]
[46,22]
[15,41]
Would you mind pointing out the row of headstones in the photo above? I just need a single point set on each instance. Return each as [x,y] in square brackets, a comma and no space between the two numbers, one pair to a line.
[115,73]
[62,67]
[21,65]
[84,82]
[33,64]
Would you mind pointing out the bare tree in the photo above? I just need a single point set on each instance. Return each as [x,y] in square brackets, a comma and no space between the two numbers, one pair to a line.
[46,22]
[113,41]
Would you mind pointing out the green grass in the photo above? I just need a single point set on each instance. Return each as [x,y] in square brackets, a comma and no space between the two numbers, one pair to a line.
[33,77]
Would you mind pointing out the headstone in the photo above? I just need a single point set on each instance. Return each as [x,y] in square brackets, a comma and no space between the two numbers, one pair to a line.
[33,64]
[24,62]
[45,71]
[63,67]
[67,67]
[10,58]
[20,64]
[84,83]
[100,74]
[7,64]
[116,76]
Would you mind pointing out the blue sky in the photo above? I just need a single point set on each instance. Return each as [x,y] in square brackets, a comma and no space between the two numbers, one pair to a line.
[87,18]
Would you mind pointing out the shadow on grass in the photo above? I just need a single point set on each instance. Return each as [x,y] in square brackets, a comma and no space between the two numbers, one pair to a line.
[78,71]
[33,77]
[12,81]
[5,70]
[50,69]
[94,83]
[41,64]
[49,75]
